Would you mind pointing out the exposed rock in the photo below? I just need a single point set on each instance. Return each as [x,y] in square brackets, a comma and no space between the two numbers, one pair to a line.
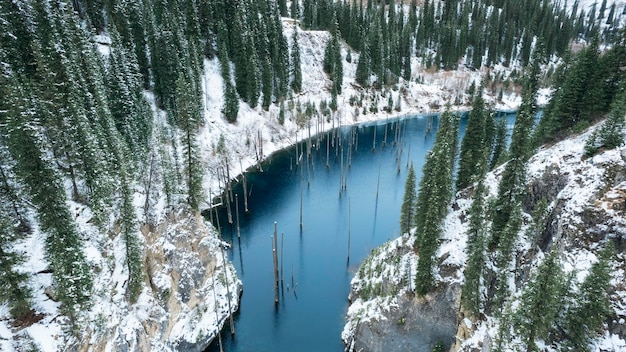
[178,309]
[385,315]
[417,324]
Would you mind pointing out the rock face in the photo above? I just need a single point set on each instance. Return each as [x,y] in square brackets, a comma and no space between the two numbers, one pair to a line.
[189,292]
[385,315]
[414,325]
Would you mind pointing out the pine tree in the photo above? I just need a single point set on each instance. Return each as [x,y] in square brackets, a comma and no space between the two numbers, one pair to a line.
[434,195]
[473,144]
[577,99]
[266,77]
[499,149]
[231,100]
[14,291]
[540,302]
[295,10]
[363,67]
[333,65]
[70,271]
[591,307]
[513,180]
[296,71]
[471,297]
[611,134]
[134,256]
[189,114]
[407,210]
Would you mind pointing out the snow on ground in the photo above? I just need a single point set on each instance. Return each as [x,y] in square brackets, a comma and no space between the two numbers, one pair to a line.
[386,273]
[588,187]
[586,183]
[427,92]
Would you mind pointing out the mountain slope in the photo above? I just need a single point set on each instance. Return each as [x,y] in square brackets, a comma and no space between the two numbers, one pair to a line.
[586,209]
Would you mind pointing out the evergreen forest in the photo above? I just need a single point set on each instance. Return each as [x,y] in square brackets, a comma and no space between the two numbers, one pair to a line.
[101,98]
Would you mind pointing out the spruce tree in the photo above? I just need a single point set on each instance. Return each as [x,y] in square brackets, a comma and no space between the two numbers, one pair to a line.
[611,134]
[296,71]
[513,181]
[591,307]
[63,245]
[134,256]
[363,67]
[231,100]
[189,115]
[471,297]
[473,144]
[266,78]
[407,210]
[333,65]
[434,195]
[540,302]
[14,291]
[499,148]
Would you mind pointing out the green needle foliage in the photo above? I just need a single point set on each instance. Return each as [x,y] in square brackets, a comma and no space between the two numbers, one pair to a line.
[14,291]
[407,210]
[433,198]
[471,299]
[591,307]
[474,141]
[540,302]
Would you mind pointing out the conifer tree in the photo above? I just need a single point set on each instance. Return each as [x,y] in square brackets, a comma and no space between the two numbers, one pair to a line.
[189,115]
[295,10]
[591,307]
[611,134]
[70,271]
[499,148]
[333,65]
[473,144]
[14,291]
[134,256]
[434,195]
[513,180]
[363,67]
[577,98]
[231,100]
[540,302]
[266,77]
[471,296]
[296,71]
[407,210]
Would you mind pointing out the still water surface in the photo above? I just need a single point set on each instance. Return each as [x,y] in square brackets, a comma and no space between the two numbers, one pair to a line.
[311,316]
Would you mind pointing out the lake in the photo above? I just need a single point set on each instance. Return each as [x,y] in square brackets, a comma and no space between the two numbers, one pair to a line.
[310,316]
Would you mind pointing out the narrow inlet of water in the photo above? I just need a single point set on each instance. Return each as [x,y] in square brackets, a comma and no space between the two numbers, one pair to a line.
[316,272]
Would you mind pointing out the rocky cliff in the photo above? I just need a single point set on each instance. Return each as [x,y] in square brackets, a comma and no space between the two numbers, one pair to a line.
[191,288]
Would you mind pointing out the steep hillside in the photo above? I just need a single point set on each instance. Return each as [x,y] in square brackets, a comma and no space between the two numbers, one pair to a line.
[113,138]
[257,133]
[586,205]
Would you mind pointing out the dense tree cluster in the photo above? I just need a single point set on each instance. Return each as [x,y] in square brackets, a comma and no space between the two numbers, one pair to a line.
[586,87]
[435,192]
[71,116]
[553,307]
[448,33]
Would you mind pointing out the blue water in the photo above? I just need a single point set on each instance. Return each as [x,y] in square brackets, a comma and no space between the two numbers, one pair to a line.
[311,317]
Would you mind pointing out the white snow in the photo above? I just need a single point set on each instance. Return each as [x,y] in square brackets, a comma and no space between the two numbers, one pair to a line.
[111,316]
[588,187]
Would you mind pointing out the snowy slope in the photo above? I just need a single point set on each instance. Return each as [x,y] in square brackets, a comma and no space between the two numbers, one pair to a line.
[241,139]
[111,323]
[588,202]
